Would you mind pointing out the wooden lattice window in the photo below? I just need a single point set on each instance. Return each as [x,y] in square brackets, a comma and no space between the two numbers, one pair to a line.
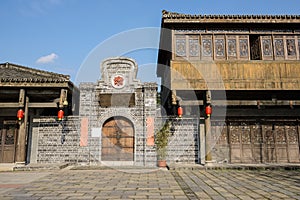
[219,47]
[279,47]
[207,47]
[194,48]
[231,47]
[266,47]
[180,46]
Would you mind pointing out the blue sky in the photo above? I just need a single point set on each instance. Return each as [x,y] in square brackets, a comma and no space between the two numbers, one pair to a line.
[62,36]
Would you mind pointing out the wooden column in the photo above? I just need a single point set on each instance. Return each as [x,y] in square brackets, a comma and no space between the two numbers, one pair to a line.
[208,157]
[202,153]
[21,144]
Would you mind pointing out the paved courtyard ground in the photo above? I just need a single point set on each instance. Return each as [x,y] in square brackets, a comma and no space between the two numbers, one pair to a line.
[155,184]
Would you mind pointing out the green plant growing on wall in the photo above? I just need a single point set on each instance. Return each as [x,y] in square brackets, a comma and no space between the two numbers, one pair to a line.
[161,141]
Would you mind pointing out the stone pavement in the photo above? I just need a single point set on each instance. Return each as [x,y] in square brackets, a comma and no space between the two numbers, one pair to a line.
[108,183]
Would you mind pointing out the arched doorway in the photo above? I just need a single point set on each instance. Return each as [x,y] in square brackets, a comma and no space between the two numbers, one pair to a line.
[117,140]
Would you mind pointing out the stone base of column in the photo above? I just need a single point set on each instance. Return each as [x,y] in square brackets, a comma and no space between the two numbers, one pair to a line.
[210,163]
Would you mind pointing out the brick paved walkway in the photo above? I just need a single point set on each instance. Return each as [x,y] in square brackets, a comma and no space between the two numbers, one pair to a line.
[159,184]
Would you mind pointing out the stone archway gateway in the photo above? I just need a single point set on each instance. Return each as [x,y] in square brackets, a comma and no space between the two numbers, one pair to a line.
[117,140]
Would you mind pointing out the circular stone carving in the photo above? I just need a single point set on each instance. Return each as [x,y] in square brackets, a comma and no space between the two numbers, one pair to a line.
[118,81]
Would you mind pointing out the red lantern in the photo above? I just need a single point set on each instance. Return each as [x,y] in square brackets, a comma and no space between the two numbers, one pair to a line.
[60,114]
[179,111]
[20,114]
[208,110]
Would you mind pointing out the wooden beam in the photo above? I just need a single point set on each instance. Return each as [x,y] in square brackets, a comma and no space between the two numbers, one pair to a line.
[9,105]
[242,103]
[192,103]
[30,105]
[42,105]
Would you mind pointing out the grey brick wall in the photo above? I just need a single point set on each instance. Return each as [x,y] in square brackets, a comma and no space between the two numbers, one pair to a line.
[47,146]
[183,143]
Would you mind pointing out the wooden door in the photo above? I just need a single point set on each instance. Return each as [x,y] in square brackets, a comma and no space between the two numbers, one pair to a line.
[118,140]
[270,142]
[8,138]
[240,142]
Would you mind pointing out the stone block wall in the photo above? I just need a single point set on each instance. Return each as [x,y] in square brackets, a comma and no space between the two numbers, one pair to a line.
[47,146]
[183,144]
[53,141]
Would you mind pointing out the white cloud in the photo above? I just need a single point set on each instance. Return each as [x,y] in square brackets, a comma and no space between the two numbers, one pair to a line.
[47,59]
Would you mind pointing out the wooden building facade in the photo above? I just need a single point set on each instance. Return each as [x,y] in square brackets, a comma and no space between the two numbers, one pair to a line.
[247,69]
[29,93]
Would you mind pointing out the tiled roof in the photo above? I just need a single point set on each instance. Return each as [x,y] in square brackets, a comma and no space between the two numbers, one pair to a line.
[173,16]
[17,73]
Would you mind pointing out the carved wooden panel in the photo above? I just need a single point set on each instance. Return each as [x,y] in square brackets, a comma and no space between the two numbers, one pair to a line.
[8,142]
[291,53]
[279,47]
[266,48]
[272,142]
[235,143]
[281,144]
[180,46]
[244,50]
[219,47]
[194,47]
[246,143]
[231,47]
[257,139]
[269,155]
[293,143]
[207,47]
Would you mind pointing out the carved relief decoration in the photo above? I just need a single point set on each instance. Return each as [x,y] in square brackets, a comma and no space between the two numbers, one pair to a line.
[279,47]
[257,136]
[280,135]
[231,47]
[243,48]
[267,47]
[10,136]
[220,47]
[269,137]
[234,135]
[206,47]
[118,81]
[246,138]
[291,47]
[194,47]
[180,47]
[292,134]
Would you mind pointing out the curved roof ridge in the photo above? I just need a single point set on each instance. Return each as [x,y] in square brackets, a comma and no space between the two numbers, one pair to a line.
[174,15]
